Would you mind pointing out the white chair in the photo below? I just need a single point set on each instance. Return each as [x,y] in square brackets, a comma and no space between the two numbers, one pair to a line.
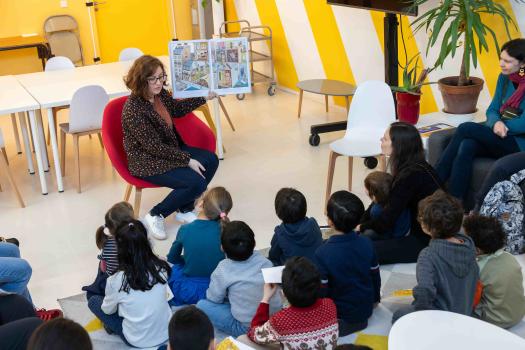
[371,112]
[54,64]
[85,118]
[130,54]
[4,167]
[438,330]
[58,63]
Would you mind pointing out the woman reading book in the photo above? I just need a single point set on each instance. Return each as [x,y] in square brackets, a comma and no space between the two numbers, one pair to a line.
[502,133]
[154,148]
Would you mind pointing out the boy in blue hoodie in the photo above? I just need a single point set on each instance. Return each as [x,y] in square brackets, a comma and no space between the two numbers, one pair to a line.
[297,235]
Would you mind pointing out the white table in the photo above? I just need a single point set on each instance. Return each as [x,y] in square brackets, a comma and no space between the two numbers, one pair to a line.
[14,98]
[56,88]
[439,330]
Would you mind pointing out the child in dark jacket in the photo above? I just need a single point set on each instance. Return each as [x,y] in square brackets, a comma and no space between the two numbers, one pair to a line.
[447,273]
[297,235]
[348,265]
[201,242]
[377,185]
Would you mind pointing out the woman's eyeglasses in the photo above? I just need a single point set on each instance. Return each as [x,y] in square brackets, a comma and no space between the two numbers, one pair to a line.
[153,80]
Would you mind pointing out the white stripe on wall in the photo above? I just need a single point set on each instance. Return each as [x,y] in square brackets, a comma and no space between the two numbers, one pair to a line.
[362,46]
[300,39]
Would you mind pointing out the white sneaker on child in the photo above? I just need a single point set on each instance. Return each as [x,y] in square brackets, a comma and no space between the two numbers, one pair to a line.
[186,217]
[155,226]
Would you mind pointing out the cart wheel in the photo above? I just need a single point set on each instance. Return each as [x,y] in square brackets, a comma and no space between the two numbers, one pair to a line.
[314,140]
[371,162]
[241,97]
[271,90]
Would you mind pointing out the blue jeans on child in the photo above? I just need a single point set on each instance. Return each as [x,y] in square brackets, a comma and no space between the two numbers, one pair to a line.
[186,289]
[14,271]
[469,141]
[187,185]
[221,317]
[111,322]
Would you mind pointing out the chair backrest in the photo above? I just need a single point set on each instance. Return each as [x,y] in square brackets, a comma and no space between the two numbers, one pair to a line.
[59,63]
[62,35]
[87,108]
[192,130]
[130,54]
[372,106]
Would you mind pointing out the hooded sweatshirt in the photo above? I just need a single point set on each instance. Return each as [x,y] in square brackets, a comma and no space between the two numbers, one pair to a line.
[447,274]
[298,239]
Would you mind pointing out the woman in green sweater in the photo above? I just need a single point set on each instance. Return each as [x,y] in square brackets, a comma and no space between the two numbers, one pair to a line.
[502,133]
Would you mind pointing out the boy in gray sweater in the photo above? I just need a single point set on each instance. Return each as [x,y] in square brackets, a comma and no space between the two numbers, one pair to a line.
[236,285]
[447,273]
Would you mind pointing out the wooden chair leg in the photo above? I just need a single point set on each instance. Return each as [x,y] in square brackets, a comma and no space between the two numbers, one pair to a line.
[4,153]
[300,103]
[15,132]
[63,152]
[330,177]
[226,114]
[127,193]
[326,102]
[136,205]
[350,168]
[76,151]
[100,140]
[3,163]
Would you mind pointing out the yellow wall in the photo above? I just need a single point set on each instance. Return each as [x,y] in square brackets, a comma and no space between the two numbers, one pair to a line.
[28,16]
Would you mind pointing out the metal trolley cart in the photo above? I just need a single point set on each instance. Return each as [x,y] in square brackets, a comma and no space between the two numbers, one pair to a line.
[254,33]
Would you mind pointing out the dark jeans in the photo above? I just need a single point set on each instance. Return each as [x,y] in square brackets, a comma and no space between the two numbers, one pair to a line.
[111,322]
[400,250]
[18,321]
[187,184]
[501,170]
[470,140]
[346,328]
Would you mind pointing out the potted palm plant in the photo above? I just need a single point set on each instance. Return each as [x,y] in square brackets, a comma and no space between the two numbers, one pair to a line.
[456,23]
[408,94]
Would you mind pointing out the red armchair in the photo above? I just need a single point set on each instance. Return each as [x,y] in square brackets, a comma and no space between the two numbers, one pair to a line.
[192,130]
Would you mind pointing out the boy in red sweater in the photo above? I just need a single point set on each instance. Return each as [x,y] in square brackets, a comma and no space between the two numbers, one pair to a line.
[309,323]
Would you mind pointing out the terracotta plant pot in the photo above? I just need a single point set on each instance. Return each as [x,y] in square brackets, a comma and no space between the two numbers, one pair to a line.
[408,107]
[460,99]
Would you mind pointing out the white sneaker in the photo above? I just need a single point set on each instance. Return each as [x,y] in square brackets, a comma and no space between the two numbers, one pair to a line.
[155,226]
[186,217]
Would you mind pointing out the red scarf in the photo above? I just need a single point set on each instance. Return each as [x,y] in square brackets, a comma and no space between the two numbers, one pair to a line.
[516,98]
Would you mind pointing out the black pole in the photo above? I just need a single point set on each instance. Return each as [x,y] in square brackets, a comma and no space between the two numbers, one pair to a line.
[391,59]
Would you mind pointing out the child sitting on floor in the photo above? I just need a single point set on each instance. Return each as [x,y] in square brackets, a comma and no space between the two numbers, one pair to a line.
[118,214]
[377,185]
[136,303]
[348,264]
[502,301]
[309,323]
[201,242]
[236,285]
[190,329]
[297,235]
[446,271]
[60,334]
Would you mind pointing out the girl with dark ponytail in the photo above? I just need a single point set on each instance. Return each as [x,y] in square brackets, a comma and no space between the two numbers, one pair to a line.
[201,242]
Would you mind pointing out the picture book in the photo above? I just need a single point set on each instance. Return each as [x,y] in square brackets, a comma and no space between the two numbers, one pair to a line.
[200,66]
[425,131]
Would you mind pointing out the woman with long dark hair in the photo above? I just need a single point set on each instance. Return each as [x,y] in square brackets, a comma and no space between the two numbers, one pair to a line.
[503,132]
[136,305]
[414,179]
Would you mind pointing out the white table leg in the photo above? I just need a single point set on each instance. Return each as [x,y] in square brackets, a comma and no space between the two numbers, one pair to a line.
[37,143]
[217,115]
[25,139]
[42,139]
[54,146]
